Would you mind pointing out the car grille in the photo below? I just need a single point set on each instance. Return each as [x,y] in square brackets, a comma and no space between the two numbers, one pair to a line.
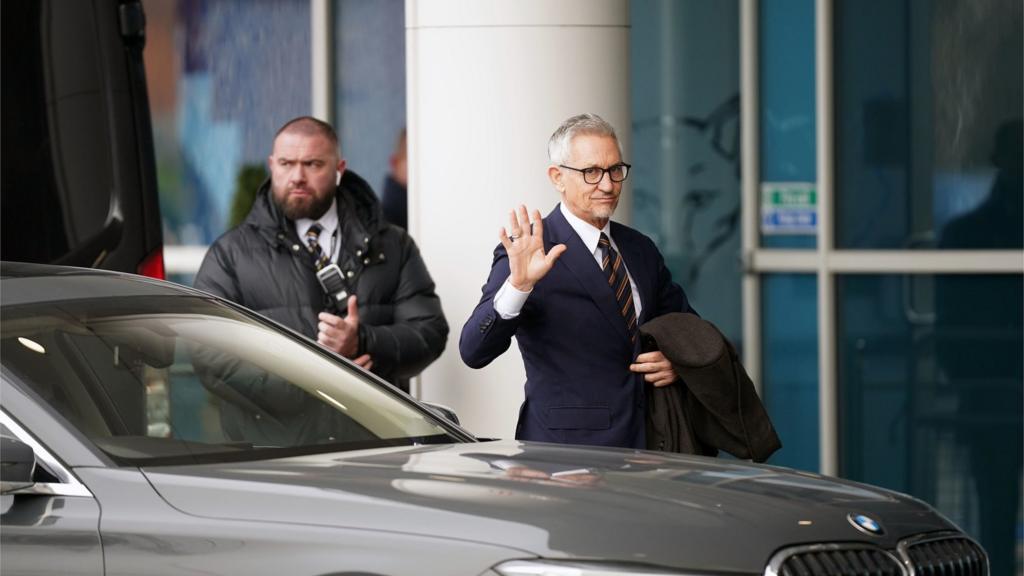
[838,560]
[945,556]
[928,555]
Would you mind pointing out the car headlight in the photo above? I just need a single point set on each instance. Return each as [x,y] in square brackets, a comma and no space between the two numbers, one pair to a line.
[581,568]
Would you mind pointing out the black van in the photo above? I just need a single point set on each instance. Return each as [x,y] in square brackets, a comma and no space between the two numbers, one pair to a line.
[79,177]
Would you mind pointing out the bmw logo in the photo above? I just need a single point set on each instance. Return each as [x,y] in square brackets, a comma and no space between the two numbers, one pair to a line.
[865,524]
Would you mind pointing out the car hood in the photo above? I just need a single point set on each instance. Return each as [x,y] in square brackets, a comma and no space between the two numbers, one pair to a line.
[554,501]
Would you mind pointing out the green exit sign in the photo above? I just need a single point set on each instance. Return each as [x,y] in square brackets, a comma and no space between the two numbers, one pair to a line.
[789,208]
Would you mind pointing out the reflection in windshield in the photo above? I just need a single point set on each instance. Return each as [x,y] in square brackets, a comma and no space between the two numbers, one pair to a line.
[165,379]
[260,406]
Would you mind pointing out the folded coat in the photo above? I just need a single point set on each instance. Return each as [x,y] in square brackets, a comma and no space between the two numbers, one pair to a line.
[715,406]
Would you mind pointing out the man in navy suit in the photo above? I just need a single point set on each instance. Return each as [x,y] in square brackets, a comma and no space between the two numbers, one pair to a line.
[572,288]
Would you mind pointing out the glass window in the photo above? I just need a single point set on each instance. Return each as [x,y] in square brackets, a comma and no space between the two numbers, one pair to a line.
[369,42]
[223,76]
[167,379]
[787,117]
[684,57]
[790,365]
[930,375]
[928,124]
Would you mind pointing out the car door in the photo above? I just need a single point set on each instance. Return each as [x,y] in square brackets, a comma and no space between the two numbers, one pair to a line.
[52,526]
[78,182]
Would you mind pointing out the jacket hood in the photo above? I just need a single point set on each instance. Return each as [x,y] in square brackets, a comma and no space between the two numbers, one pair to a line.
[355,197]
[552,500]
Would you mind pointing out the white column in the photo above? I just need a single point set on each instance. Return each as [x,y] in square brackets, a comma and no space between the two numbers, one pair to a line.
[488,82]
[321,62]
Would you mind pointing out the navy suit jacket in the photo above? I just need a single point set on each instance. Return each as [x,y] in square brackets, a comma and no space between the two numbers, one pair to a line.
[579,389]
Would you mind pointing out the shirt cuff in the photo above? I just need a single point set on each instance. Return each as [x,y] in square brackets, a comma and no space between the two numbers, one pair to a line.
[509,301]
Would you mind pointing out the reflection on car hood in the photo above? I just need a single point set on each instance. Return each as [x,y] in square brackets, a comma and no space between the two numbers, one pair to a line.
[553,501]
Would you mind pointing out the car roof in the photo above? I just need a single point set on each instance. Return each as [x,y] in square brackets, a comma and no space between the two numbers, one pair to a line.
[25,284]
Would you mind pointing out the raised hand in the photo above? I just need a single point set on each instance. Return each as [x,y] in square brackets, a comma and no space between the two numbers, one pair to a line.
[524,243]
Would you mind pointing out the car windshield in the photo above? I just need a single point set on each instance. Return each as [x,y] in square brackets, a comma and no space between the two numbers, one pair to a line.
[168,379]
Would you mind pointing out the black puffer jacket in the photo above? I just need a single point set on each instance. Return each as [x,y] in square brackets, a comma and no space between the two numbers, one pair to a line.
[263,266]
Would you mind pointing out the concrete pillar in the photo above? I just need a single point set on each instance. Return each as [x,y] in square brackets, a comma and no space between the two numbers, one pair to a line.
[488,82]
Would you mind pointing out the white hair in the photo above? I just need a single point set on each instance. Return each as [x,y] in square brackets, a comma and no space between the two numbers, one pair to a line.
[591,124]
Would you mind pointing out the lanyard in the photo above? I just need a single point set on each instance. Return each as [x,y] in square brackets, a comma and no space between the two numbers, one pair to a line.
[332,252]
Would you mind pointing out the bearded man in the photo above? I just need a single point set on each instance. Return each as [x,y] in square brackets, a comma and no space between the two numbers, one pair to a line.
[374,301]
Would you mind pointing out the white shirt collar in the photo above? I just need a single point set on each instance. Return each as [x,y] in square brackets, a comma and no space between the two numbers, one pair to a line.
[585,230]
[328,222]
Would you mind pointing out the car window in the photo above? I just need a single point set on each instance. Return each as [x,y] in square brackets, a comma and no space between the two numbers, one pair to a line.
[168,379]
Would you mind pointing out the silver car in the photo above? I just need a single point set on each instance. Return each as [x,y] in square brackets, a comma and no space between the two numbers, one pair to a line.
[148,428]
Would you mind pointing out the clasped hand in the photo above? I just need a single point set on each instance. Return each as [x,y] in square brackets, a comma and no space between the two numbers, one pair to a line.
[524,243]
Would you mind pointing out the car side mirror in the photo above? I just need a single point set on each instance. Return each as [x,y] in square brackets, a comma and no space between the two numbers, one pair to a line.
[17,465]
[443,411]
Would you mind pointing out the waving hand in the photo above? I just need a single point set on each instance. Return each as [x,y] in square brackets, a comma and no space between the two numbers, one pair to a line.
[524,243]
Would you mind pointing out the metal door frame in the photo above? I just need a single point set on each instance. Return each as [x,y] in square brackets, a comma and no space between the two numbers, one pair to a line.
[824,260]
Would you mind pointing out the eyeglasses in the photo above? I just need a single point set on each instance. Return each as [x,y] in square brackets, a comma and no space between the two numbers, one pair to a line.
[593,175]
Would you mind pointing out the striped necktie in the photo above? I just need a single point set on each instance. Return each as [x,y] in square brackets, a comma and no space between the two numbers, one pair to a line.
[313,245]
[618,281]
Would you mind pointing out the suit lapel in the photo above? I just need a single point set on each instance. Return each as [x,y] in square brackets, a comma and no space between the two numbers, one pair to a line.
[580,262]
[635,263]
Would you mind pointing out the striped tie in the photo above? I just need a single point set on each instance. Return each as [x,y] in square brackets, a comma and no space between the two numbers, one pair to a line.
[618,280]
[313,245]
